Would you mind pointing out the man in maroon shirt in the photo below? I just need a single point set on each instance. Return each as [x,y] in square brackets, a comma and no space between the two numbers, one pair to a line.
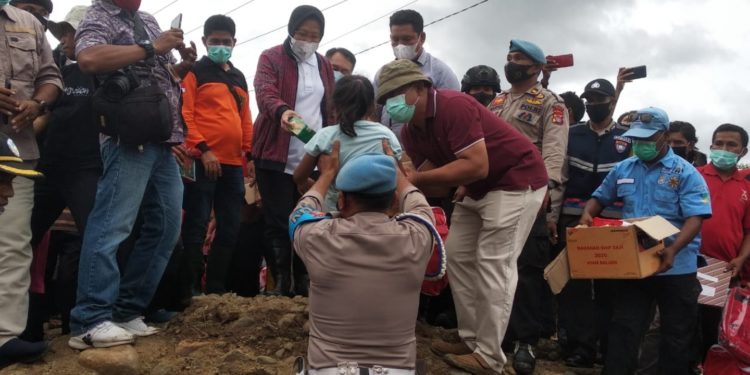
[456,142]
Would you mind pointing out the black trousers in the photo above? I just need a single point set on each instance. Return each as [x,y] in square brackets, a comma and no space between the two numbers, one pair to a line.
[526,316]
[244,272]
[75,189]
[584,309]
[677,299]
[280,196]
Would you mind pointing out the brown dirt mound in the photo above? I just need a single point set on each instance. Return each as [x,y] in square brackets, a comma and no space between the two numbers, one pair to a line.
[231,335]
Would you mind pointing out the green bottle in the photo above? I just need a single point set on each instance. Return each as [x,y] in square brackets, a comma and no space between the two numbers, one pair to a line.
[301,130]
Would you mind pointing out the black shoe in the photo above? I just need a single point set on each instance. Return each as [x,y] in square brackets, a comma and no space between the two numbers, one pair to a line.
[579,361]
[523,359]
[17,350]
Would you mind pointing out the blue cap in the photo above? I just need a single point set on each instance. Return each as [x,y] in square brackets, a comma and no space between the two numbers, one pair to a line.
[368,174]
[530,49]
[639,129]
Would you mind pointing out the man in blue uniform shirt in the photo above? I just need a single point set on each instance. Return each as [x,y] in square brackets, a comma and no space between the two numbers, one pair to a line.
[655,182]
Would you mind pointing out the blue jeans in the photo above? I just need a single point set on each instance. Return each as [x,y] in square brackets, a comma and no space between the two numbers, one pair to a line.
[132,179]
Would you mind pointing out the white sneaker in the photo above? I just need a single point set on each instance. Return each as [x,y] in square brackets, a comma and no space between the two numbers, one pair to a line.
[103,335]
[138,327]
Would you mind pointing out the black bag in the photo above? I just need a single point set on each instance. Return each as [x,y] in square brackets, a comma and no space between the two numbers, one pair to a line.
[136,113]
[142,116]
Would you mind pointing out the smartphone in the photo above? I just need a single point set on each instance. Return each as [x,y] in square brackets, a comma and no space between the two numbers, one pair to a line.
[562,61]
[638,72]
[177,22]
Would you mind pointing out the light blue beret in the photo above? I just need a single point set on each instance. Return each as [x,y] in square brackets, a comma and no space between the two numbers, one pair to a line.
[368,174]
[530,49]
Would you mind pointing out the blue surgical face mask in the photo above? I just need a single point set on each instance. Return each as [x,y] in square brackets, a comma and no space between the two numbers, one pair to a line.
[399,110]
[219,54]
[724,160]
[337,75]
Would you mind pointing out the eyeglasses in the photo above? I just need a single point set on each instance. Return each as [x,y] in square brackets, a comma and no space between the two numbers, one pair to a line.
[642,117]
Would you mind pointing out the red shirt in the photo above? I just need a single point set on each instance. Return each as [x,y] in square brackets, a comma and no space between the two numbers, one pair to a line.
[723,233]
[455,122]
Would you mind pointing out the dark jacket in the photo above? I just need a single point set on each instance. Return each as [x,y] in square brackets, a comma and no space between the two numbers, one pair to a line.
[71,139]
[276,91]
[590,158]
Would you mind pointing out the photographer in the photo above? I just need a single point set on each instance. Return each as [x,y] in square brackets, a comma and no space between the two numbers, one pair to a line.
[139,168]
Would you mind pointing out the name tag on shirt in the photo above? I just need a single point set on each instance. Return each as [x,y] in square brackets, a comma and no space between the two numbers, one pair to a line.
[625,181]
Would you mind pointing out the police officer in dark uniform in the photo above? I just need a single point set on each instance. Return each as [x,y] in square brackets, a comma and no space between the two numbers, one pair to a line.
[481,82]
[594,148]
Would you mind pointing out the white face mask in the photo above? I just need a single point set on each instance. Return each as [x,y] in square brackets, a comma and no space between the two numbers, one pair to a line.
[303,49]
[405,51]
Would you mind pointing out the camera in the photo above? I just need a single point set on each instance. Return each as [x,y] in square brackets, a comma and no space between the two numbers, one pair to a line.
[118,85]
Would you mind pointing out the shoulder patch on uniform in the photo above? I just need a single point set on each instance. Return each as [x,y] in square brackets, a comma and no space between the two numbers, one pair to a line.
[558,114]
[304,215]
[621,143]
[498,101]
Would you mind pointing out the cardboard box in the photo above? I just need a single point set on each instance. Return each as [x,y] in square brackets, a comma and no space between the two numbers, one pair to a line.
[625,252]
[557,273]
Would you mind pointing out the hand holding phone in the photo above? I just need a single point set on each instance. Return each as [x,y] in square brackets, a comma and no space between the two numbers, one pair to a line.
[561,61]
[636,72]
[177,22]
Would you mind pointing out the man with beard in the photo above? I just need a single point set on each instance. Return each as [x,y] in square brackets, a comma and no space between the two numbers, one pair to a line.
[482,83]
[541,116]
[595,147]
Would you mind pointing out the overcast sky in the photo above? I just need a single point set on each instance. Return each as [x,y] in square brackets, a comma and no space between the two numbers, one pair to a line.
[695,50]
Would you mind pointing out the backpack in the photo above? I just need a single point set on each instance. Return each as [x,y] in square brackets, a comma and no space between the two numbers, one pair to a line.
[719,361]
[734,331]
[433,286]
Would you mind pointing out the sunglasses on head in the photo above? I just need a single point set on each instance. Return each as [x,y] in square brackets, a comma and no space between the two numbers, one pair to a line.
[642,117]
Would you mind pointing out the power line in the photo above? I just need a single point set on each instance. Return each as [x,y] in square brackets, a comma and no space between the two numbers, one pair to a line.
[368,23]
[431,23]
[236,8]
[164,7]
[283,26]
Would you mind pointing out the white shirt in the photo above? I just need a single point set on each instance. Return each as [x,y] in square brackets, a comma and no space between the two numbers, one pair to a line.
[310,92]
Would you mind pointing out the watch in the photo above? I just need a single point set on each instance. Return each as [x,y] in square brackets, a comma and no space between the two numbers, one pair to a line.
[43,105]
[551,184]
[149,47]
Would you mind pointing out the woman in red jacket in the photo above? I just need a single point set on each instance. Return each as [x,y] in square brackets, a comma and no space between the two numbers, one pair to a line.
[292,80]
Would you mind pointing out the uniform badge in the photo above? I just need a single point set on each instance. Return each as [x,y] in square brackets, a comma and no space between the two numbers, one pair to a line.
[674,182]
[743,197]
[534,101]
[595,85]
[534,91]
[525,116]
[661,180]
[540,96]
[558,114]
[536,109]
[621,146]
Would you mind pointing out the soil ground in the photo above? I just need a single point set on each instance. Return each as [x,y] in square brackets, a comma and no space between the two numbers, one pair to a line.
[234,335]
